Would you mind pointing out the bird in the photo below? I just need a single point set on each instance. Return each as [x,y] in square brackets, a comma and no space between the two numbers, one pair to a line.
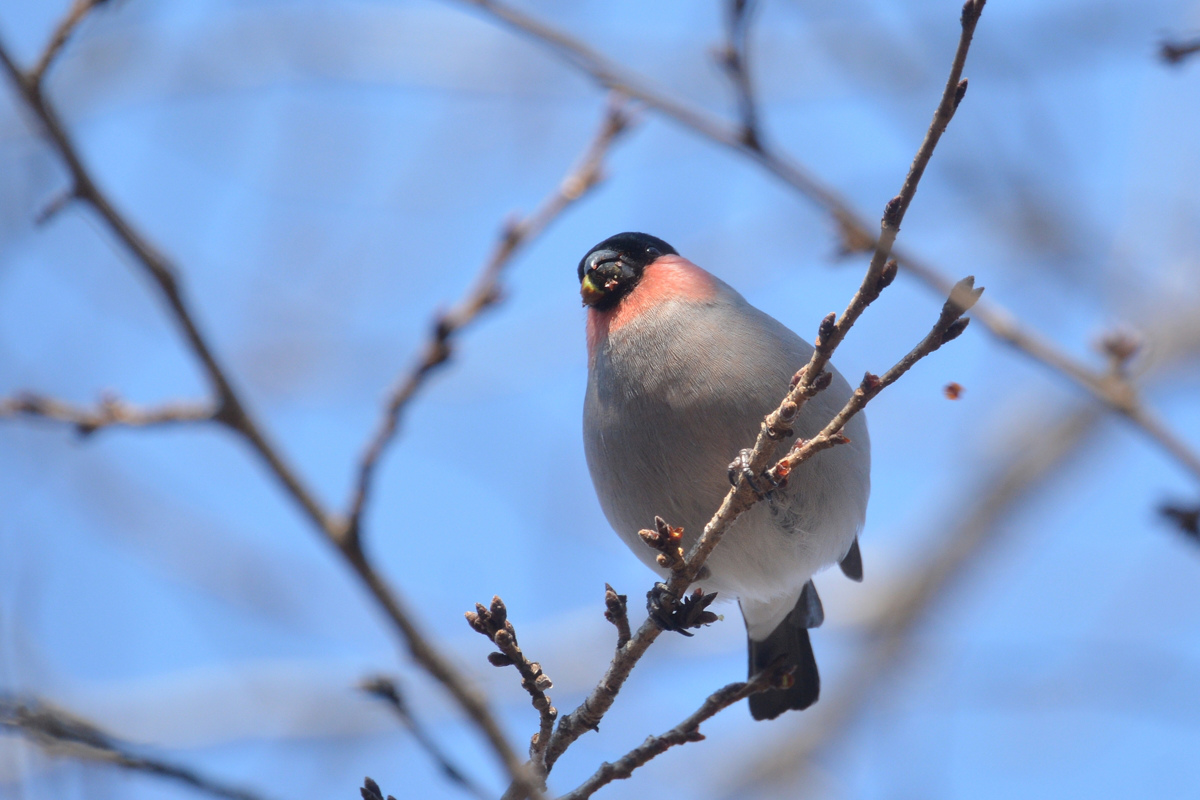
[681,371]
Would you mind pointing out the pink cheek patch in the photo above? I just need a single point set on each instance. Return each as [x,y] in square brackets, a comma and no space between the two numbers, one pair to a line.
[668,278]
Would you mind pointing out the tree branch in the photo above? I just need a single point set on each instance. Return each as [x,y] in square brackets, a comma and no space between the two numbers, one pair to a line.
[615,611]
[493,623]
[484,294]
[734,59]
[1040,445]
[386,690]
[67,26]
[949,326]
[230,409]
[111,411]
[810,380]
[855,232]
[974,529]
[61,733]
[232,412]
[684,732]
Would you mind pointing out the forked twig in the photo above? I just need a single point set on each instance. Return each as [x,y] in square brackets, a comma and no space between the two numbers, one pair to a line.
[810,380]
[485,293]
[229,408]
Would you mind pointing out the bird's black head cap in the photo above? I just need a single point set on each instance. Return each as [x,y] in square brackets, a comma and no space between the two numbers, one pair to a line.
[612,268]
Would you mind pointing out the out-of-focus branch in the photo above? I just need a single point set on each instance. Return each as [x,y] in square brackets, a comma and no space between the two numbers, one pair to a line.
[61,733]
[734,58]
[232,412]
[855,231]
[1176,52]
[79,10]
[483,295]
[386,690]
[684,732]
[1185,518]
[810,380]
[111,411]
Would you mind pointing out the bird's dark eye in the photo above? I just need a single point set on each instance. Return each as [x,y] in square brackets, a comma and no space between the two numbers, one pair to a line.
[653,251]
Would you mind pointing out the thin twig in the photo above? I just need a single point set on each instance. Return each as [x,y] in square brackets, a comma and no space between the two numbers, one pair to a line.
[111,411]
[232,412]
[949,326]
[493,623]
[485,293]
[684,732]
[810,380]
[230,409]
[616,612]
[62,32]
[1040,446]
[734,58]
[385,689]
[855,232]
[1047,444]
[61,733]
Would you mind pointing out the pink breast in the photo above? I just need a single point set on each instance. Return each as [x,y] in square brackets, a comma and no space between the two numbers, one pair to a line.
[668,278]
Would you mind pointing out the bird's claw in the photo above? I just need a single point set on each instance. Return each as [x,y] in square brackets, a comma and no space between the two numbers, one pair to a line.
[740,470]
[673,614]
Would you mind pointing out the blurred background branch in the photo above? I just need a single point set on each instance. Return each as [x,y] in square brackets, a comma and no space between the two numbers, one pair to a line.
[65,735]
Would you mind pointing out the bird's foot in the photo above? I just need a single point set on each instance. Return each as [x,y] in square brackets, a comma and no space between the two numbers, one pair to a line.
[740,470]
[673,614]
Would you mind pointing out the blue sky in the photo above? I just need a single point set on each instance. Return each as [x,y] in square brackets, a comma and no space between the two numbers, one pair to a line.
[326,176]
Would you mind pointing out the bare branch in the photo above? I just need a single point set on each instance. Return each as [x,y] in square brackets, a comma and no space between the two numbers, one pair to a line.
[617,613]
[810,380]
[1040,445]
[493,623]
[949,326]
[684,732]
[66,27]
[1045,445]
[735,60]
[385,689]
[56,204]
[61,733]
[486,292]
[855,232]
[232,412]
[111,411]
[230,409]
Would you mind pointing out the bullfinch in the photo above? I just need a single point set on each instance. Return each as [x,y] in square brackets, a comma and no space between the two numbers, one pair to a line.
[681,372]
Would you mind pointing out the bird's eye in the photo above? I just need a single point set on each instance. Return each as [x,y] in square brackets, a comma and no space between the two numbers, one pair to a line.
[653,251]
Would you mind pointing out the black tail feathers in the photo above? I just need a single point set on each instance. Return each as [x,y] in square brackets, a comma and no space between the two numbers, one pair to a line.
[791,641]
